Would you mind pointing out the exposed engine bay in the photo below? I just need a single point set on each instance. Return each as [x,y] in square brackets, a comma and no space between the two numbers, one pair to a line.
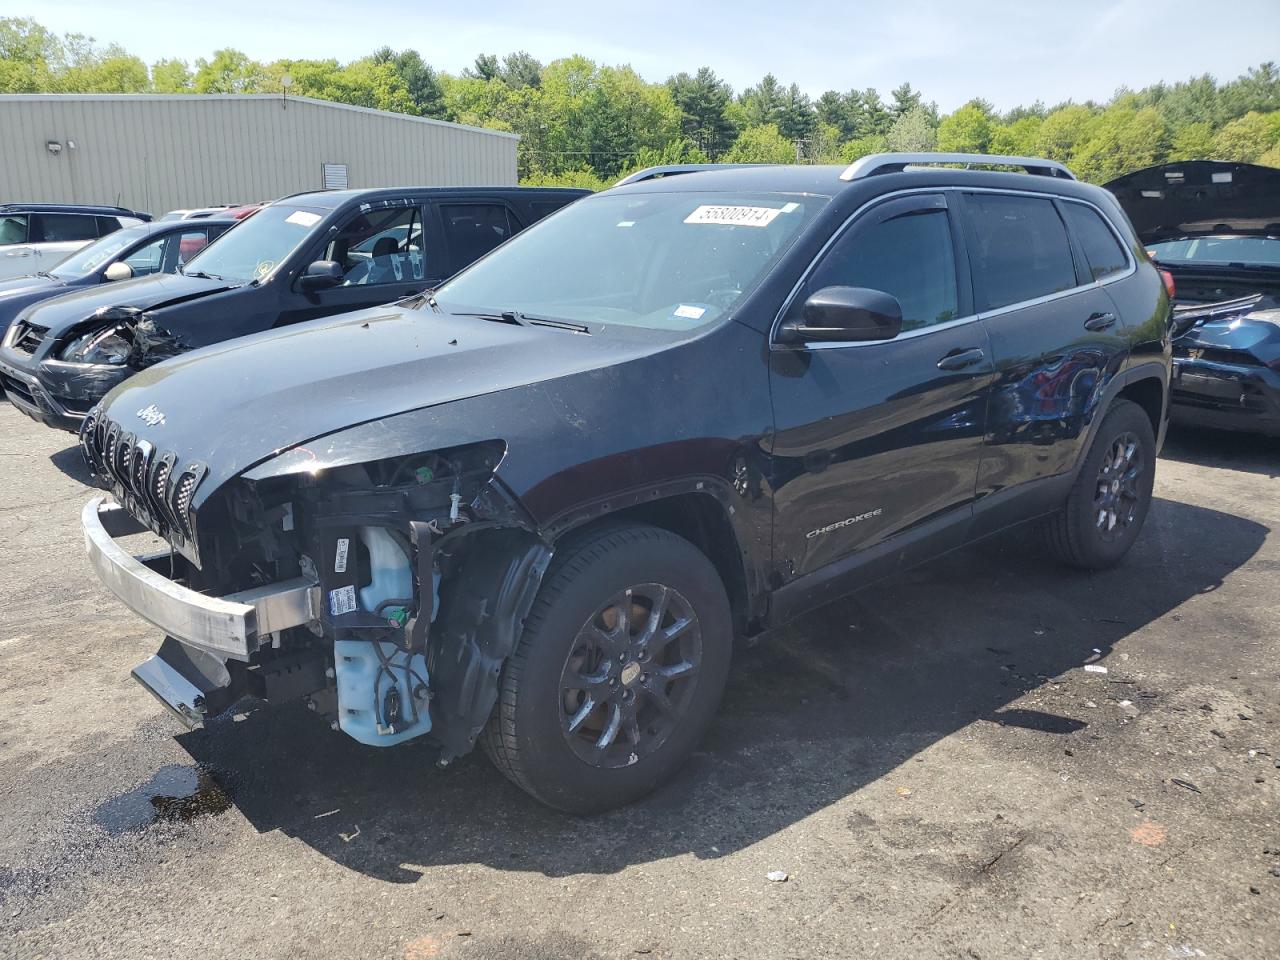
[424,570]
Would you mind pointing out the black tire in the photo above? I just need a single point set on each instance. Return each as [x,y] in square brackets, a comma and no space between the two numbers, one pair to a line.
[568,638]
[1090,531]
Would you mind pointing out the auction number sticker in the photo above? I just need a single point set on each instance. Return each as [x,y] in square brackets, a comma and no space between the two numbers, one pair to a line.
[304,218]
[734,216]
[340,555]
[342,600]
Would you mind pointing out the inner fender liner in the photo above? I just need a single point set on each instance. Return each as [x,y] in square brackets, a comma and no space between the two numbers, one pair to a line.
[483,606]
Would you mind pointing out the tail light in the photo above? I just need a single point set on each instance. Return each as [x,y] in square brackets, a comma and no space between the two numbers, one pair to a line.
[1169,285]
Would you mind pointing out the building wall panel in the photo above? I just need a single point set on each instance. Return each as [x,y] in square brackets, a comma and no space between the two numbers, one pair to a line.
[159,153]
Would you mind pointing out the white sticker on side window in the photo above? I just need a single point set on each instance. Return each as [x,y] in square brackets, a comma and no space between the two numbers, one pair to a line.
[342,600]
[340,555]
[734,216]
[303,218]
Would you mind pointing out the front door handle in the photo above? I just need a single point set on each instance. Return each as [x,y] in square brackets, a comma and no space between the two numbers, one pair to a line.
[1100,321]
[959,359]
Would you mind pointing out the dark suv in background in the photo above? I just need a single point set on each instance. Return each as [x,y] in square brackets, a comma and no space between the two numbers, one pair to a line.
[300,258]
[534,509]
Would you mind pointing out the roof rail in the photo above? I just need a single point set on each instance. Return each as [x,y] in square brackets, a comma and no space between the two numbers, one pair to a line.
[896,162]
[672,169]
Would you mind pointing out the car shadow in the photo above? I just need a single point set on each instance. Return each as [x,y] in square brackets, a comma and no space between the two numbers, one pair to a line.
[813,713]
[72,464]
[1248,452]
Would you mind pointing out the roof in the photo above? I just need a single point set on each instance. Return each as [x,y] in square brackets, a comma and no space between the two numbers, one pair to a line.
[225,97]
[95,208]
[332,199]
[827,180]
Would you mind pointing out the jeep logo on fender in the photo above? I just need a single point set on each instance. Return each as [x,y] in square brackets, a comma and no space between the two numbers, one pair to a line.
[151,416]
[846,522]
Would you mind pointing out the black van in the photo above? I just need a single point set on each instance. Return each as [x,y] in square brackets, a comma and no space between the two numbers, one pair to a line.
[302,257]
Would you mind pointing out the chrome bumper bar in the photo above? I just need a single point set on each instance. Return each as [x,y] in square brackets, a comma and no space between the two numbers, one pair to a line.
[231,626]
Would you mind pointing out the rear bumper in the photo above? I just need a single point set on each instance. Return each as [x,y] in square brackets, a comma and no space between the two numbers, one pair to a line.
[1225,396]
[229,627]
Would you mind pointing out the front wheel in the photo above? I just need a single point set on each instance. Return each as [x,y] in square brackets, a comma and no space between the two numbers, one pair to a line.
[1108,503]
[618,672]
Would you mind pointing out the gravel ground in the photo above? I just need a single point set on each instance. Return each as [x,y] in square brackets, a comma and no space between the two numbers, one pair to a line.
[928,762]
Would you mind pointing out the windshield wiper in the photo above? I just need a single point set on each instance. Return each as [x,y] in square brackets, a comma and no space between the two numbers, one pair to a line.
[518,319]
[45,274]
[202,275]
[536,321]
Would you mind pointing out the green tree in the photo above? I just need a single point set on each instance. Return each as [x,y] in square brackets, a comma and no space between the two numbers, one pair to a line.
[764,103]
[420,80]
[1247,138]
[1017,138]
[1061,130]
[703,101]
[1120,140]
[968,130]
[29,55]
[1193,141]
[521,69]
[904,101]
[229,71]
[913,132]
[171,76]
[762,144]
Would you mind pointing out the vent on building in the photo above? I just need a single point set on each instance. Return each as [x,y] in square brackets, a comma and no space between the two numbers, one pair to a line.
[335,176]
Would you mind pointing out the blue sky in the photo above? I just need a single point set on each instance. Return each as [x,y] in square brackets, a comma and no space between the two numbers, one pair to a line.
[1008,52]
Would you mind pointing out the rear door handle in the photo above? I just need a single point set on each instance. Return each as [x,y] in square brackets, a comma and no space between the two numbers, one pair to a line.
[959,359]
[1100,321]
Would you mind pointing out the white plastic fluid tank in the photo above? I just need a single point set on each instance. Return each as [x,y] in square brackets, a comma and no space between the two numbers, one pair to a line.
[390,575]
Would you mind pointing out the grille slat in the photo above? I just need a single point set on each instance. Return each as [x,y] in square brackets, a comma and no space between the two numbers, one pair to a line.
[153,477]
[28,337]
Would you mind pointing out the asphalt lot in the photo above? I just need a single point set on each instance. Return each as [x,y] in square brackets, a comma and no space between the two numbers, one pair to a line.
[928,762]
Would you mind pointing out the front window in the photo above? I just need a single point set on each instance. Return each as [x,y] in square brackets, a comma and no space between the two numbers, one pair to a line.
[100,252]
[377,247]
[1247,251]
[662,261]
[257,246]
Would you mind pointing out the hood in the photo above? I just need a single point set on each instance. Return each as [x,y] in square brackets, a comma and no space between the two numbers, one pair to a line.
[146,293]
[1200,198]
[234,404]
[20,292]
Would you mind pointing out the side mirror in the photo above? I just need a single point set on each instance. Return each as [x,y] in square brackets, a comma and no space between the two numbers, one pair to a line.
[845,314]
[118,271]
[321,275]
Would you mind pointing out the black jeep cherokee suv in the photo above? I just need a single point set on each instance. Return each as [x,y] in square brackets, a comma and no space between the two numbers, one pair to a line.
[534,507]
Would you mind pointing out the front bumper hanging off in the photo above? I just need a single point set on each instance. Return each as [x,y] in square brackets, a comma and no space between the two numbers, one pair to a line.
[208,630]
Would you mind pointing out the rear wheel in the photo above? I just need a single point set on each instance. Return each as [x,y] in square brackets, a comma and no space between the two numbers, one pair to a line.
[1108,503]
[618,672]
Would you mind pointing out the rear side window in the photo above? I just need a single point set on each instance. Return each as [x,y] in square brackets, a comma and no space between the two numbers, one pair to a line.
[13,228]
[1019,249]
[473,229]
[540,208]
[107,225]
[1101,249]
[58,227]
[909,256]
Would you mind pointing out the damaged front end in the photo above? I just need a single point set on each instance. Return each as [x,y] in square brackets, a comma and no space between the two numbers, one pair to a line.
[121,336]
[386,594]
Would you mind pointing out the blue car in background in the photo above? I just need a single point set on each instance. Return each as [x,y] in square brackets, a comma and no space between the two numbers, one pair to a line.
[136,251]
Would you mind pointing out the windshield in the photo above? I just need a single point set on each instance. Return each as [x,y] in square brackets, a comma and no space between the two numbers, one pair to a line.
[91,257]
[257,245]
[1250,251]
[662,261]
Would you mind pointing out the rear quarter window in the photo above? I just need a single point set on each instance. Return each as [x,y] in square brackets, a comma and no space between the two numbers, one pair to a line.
[1018,249]
[1102,251]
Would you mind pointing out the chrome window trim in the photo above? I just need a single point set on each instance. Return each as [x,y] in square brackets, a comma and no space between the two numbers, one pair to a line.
[959,321]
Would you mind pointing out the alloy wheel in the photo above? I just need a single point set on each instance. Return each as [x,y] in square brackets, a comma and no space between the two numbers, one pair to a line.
[629,679]
[1118,491]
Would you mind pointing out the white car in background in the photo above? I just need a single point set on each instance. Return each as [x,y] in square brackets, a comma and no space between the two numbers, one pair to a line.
[35,236]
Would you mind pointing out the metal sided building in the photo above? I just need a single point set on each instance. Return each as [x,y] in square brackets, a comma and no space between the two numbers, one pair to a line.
[163,152]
